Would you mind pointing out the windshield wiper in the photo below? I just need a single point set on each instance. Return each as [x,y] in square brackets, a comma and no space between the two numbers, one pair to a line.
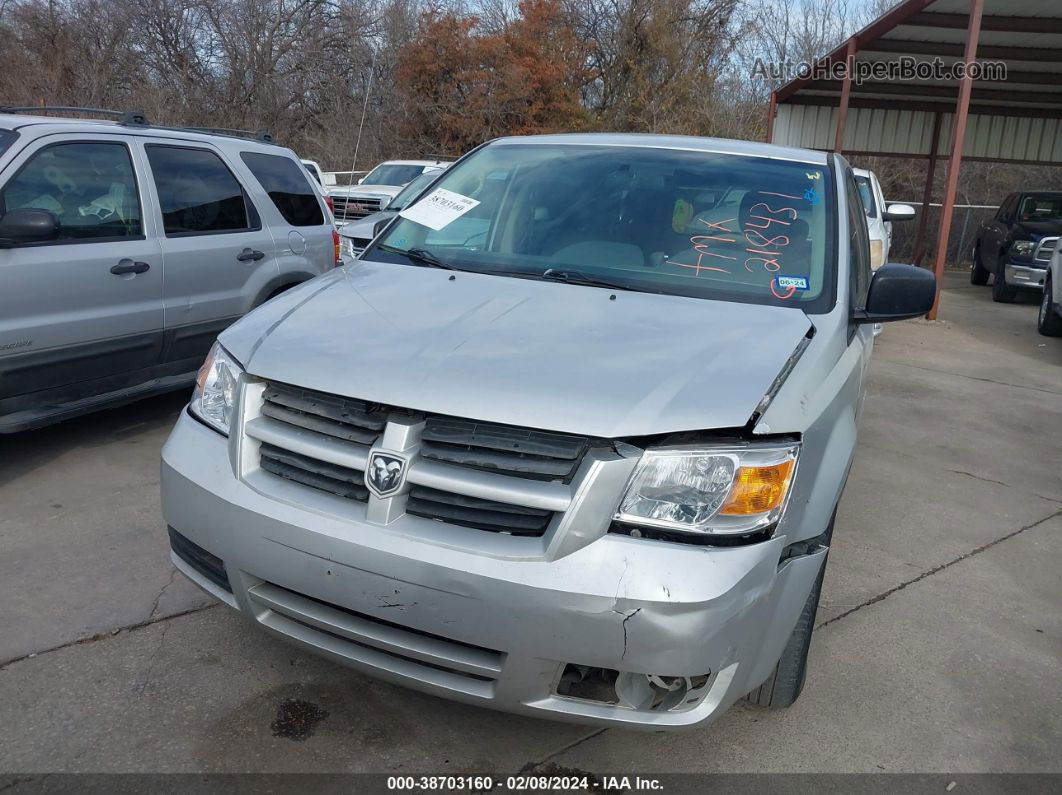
[577,277]
[419,255]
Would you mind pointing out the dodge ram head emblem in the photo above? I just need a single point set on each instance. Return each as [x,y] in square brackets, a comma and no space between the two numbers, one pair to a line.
[385,473]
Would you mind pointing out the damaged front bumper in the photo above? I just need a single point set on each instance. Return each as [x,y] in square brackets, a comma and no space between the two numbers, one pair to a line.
[484,629]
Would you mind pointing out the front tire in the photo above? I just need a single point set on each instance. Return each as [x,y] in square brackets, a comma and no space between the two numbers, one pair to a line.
[785,684]
[1049,323]
[1003,293]
[978,273]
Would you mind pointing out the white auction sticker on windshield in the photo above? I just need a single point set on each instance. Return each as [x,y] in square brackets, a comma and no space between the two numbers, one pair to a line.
[439,208]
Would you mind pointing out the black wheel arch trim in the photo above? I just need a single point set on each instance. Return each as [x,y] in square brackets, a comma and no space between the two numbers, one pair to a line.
[282,281]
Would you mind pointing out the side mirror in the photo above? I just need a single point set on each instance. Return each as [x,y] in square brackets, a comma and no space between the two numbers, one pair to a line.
[28,225]
[899,212]
[361,180]
[898,292]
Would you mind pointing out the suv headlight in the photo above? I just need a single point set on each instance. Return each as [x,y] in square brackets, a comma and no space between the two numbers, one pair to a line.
[1023,248]
[214,398]
[710,490]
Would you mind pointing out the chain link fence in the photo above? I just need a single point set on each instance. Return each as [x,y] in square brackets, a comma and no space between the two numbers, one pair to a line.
[965,224]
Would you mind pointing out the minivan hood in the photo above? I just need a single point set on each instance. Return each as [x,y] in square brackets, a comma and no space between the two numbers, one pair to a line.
[521,352]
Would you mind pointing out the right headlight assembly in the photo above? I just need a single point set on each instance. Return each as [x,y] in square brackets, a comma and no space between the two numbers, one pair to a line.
[1023,249]
[214,397]
[706,491]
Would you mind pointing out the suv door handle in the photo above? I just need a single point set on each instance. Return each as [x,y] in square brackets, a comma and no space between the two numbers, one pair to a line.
[249,254]
[128,266]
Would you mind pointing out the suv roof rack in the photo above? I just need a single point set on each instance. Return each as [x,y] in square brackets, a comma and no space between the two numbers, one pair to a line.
[259,135]
[132,118]
[138,119]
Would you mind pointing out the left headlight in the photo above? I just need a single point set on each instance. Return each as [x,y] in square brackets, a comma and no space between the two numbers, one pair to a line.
[728,490]
[1023,248]
[214,398]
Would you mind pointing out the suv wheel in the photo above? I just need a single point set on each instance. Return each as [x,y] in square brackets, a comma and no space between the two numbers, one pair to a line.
[1002,292]
[1049,323]
[786,682]
[978,273]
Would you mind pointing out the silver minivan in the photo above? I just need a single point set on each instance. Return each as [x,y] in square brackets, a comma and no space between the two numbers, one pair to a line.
[567,440]
[125,248]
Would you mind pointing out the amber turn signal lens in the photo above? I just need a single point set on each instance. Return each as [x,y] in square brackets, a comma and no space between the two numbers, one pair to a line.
[758,489]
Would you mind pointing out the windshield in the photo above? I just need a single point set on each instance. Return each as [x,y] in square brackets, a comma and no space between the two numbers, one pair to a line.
[411,190]
[392,174]
[312,172]
[866,193]
[700,224]
[1041,208]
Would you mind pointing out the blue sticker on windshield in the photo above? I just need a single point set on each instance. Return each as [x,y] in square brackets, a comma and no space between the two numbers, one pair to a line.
[792,282]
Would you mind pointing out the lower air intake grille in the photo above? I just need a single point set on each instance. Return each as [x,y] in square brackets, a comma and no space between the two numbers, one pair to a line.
[210,566]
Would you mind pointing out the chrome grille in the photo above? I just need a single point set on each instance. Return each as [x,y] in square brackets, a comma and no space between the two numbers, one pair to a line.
[351,208]
[473,512]
[486,476]
[515,451]
[338,480]
[343,418]
[1046,249]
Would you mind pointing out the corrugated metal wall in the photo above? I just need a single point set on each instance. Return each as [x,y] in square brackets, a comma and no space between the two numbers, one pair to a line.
[909,132]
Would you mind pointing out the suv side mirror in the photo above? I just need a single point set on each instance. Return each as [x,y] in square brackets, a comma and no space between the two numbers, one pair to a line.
[27,225]
[898,292]
[899,212]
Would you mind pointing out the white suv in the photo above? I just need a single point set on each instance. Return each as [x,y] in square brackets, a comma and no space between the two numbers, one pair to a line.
[125,248]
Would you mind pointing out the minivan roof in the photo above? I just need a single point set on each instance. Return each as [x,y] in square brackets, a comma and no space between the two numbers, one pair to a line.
[687,142]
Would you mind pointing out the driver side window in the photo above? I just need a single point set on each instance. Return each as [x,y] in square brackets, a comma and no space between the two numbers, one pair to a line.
[89,186]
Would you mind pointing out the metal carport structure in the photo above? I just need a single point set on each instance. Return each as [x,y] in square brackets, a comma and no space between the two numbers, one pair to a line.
[1012,116]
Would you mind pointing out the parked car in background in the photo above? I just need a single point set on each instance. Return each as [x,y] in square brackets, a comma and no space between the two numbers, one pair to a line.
[880,216]
[355,236]
[1015,247]
[373,191]
[568,441]
[125,248]
[1049,319]
[314,171]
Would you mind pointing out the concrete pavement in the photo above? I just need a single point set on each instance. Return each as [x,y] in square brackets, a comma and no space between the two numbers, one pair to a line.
[939,645]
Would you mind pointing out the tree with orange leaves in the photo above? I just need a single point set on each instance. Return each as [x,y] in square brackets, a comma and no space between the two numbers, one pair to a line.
[462,87]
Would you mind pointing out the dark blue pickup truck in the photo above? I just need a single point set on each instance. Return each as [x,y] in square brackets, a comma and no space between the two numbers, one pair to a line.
[1016,245]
